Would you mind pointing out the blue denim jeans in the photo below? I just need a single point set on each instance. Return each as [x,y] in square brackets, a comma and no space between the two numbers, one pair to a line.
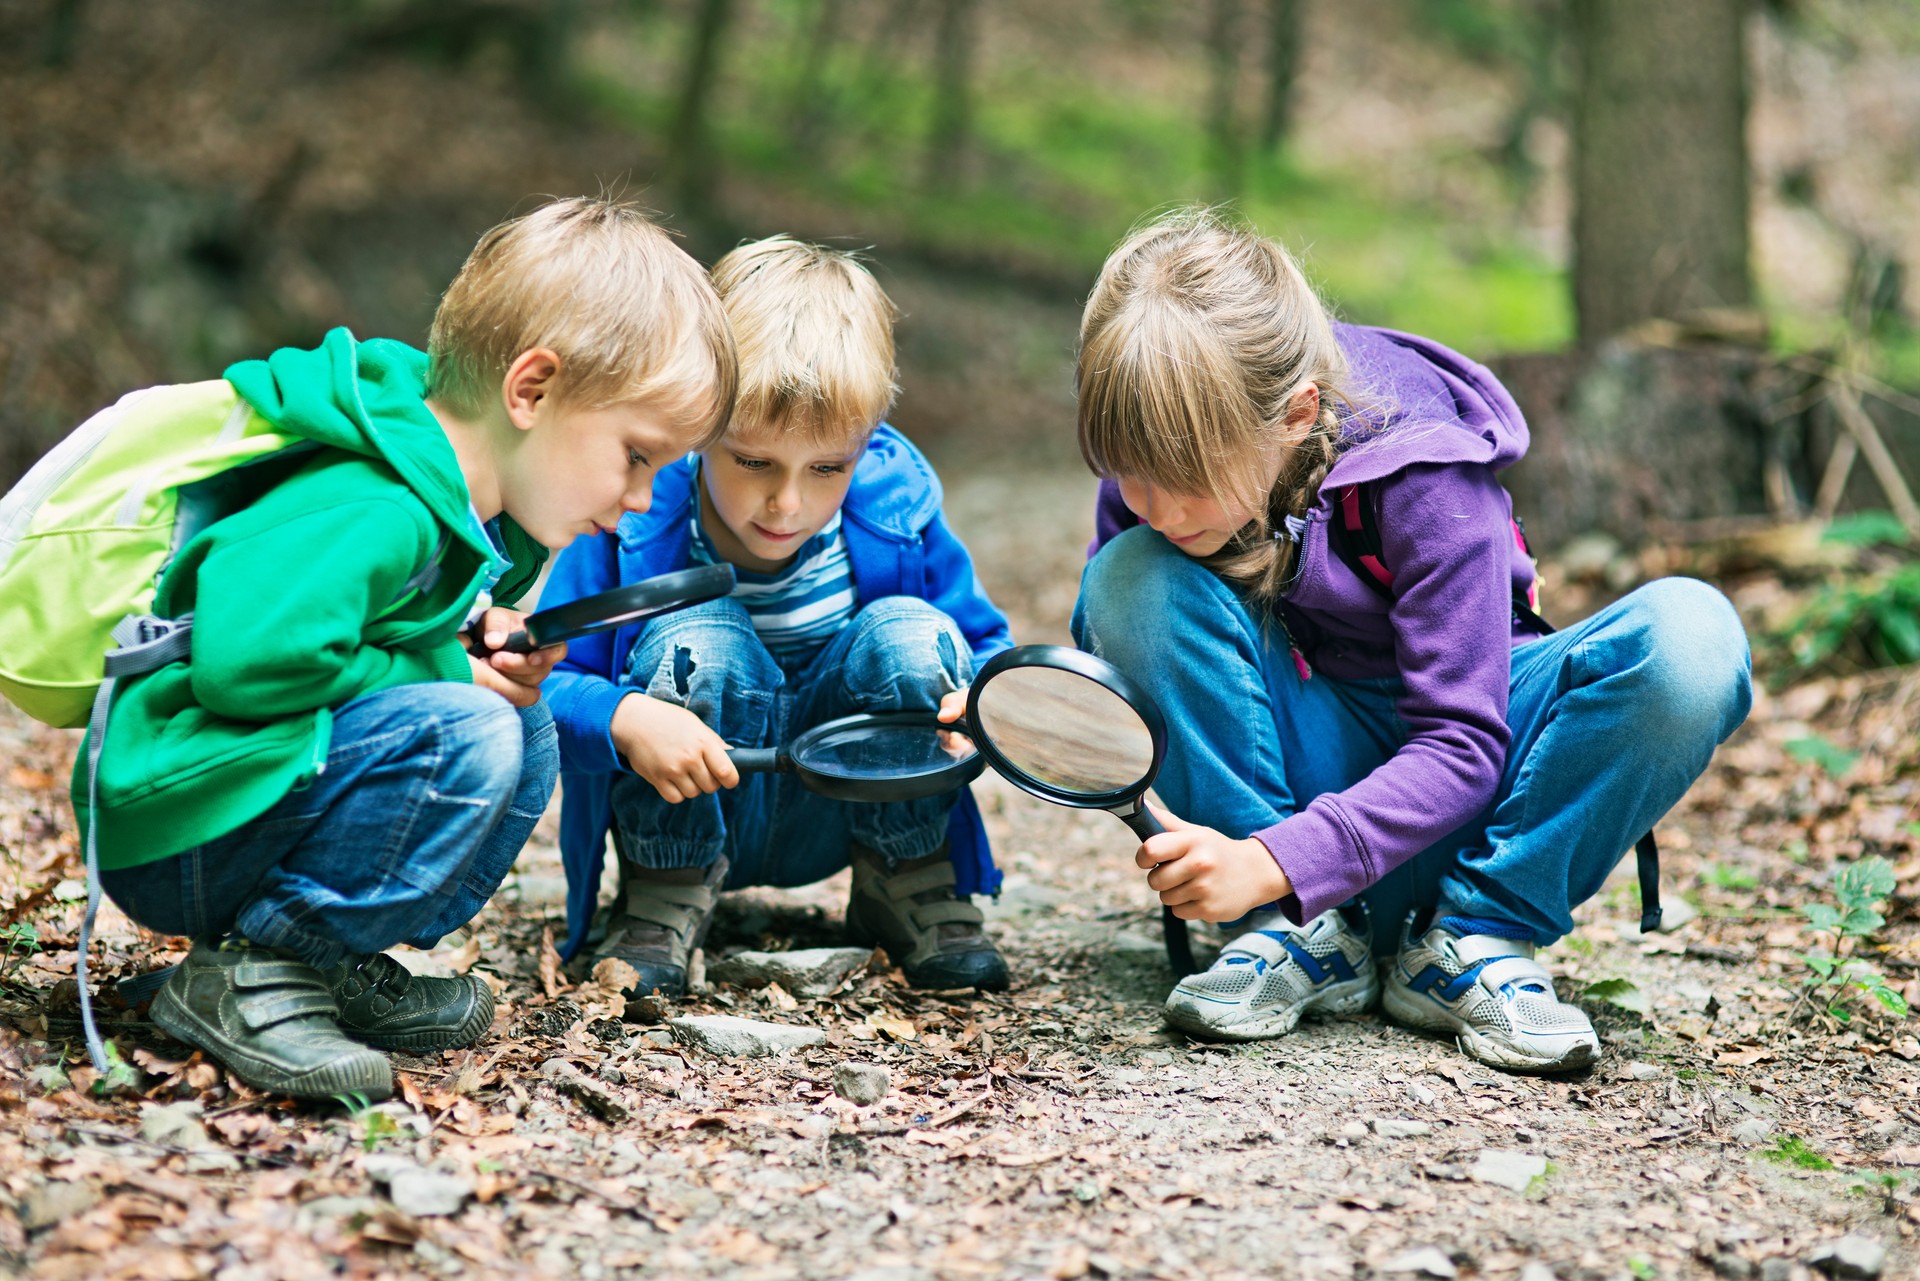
[897,654]
[1613,719]
[429,792]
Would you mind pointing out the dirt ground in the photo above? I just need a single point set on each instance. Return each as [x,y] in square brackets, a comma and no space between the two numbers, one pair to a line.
[1058,1130]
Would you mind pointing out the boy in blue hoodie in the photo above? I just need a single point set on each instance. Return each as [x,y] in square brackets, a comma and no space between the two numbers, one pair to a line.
[853,597]
[328,772]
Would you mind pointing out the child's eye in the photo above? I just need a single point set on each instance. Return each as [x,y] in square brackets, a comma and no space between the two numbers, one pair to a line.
[751,464]
[635,458]
[828,469]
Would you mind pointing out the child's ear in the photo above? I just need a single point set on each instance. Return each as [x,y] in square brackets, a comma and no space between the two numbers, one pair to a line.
[529,380]
[1303,409]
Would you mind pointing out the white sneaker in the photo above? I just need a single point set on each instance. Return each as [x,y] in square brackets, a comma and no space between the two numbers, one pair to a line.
[1267,978]
[1494,997]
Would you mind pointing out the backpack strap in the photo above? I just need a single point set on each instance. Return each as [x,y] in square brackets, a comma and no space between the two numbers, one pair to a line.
[143,643]
[1354,536]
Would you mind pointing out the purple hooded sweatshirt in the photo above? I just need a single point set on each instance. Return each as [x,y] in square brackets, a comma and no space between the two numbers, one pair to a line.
[1448,631]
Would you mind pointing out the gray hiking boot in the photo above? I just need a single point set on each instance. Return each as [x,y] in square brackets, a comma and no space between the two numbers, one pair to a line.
[271,1019]
[937,939]
[659,918]
[385,1006]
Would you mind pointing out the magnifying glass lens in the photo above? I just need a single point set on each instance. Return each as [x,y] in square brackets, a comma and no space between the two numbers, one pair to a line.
[1065,730]
[884,751]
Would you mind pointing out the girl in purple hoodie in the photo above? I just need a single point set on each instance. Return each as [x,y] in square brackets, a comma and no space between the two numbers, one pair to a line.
[1305,556]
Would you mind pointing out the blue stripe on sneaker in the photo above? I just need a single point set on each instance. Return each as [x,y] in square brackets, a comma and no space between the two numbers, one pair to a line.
[1309,963]
[1434,981]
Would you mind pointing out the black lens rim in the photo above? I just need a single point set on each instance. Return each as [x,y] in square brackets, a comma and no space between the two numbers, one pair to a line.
[834,787]
[636,602]
[1098,670]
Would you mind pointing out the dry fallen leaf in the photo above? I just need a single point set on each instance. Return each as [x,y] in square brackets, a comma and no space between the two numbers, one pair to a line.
[893,1025]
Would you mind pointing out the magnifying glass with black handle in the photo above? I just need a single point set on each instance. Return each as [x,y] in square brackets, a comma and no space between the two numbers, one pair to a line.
[873,757]
[1070,728]
[604,611]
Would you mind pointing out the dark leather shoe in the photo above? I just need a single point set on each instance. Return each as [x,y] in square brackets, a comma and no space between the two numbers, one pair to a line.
[937,939]
[659,918]
[271,1019]
[384,1005]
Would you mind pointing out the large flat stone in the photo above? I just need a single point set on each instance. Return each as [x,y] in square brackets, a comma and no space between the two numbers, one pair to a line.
[724,1034]
[807,973]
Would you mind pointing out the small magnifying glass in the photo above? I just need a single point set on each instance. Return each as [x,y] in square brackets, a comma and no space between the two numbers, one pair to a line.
[1070,728]
[604,611]
[874,756]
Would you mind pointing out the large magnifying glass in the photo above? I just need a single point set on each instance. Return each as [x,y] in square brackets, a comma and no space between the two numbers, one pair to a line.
[604,611]
[1070,728]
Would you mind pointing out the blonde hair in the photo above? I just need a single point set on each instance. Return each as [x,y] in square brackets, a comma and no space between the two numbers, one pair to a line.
[631,316]
[815,335]
[1197,335]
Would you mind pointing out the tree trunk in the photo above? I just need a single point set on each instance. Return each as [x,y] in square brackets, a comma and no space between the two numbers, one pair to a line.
[1660,162]
[953,45]
[810,109]
[1283,61]
[690,164]
[1224,144]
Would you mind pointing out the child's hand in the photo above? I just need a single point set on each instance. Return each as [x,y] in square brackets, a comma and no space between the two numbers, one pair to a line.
[515,677]
[671,748]
[1204,875]
[952,706]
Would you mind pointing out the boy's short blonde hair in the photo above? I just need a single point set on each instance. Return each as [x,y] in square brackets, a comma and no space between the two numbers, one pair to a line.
[631,316]
[814,332]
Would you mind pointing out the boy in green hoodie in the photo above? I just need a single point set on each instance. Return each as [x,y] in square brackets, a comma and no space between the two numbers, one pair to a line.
[330,773]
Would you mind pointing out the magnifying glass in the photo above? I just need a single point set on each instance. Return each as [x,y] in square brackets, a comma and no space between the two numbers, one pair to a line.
[604,611]
[1070,728]
[874,756]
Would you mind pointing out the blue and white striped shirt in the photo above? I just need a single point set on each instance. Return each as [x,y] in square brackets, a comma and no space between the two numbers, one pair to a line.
[801,608]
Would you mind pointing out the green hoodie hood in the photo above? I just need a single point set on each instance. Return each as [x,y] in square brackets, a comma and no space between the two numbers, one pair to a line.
[370,398]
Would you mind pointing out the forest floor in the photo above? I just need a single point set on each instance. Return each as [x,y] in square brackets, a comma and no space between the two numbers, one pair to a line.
[1059,1129]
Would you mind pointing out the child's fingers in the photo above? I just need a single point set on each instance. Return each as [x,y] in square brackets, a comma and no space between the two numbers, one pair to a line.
[1170,876]
[1163,848]
[720,765]
[953,706]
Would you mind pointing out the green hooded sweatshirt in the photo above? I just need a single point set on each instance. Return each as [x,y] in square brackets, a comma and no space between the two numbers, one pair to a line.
[298,602]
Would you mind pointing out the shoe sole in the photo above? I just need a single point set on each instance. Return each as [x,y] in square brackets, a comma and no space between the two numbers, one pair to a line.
[1350,996]
[366,1074]
[1419,1012]
[479,1019]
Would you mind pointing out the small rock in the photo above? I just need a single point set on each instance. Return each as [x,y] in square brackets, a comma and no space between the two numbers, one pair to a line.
[1422,1095]
[1732,1267]
[1645,1071]
[862,1083]
[808,973]
[661,1062]
[1048,1029]
[1426,1260]
[724,1034]
[1851,1258]
[176,1125]
[657,1037]
[1352,1130]
[1395,1128]
[1674,913]
[52,1203]
[428,1193]
[1754,1130]
[1534,1270]
[1514,1170]
[1776,1269]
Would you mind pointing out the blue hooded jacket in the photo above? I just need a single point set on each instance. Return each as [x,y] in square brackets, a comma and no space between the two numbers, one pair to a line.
[898,545]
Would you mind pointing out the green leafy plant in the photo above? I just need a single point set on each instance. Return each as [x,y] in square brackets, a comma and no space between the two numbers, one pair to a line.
[1791,1149]
[1884,1184]
[1856,621]
[23,940]
[120,1076]
[1725,876]
[1867,529]
[376,1127]
[1834,978]
[1814,750]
